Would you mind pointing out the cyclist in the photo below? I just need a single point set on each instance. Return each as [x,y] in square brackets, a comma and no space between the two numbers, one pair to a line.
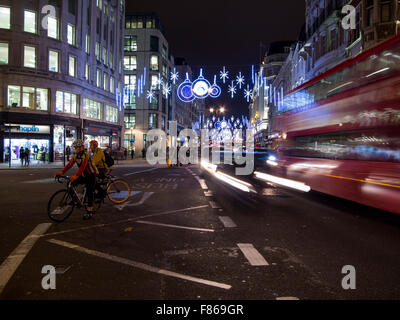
[86,174]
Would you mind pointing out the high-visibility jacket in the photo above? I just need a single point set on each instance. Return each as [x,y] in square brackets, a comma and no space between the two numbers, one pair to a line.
[84,163]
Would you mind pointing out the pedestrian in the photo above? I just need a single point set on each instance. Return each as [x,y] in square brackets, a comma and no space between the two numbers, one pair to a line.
[22,155]
[27,157]
[68,151]
[143,153]
[133,154]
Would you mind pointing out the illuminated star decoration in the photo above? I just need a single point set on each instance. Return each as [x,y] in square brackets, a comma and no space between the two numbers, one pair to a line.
[240,80]
[248,93]
[166,89]
[159,81]
[232,89]
[150,95]
[174,76]
[224,74]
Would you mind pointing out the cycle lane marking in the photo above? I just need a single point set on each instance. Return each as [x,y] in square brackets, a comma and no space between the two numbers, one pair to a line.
[252,255]
[13,261]
[133,173]
[140,265]
[174,226]
[125,221]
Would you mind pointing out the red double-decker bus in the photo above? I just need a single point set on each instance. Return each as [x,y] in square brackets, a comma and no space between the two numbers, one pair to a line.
[340,132]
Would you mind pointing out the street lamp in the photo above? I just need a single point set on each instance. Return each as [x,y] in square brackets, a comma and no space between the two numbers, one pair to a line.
[222,110]
[211,110]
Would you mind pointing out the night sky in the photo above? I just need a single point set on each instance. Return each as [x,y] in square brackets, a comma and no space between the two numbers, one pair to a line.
[213,34]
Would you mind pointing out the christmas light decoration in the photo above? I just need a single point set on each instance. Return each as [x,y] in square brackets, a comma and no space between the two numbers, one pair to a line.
[232,89]
[224,74]
[174,76]
[240,80]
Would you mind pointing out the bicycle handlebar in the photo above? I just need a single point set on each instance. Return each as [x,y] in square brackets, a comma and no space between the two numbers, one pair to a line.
[60,178]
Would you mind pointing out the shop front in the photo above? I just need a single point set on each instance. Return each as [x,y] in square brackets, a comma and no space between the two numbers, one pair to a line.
[17,137]
[63,138]
[105,137]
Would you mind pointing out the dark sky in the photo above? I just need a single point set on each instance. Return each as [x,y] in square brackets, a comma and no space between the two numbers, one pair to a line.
[212,34]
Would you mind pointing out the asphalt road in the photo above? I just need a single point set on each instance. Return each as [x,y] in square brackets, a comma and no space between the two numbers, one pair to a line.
[184,235]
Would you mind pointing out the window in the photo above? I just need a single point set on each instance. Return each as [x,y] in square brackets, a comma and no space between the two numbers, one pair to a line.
[154,44]
[154,63]
[87,72]
[72,66]
[52,28]
[92,109]
[5,18]
[385,12]
[105,82]
[14,96]
[130,120]
[163,123]
[105,56]
[130,43]
[66,102]
[3,53]
[98,51]
[140,23]
[164,52]
[99,4]
[153,123]
[129,96]
[71,35]
[165,71]
[154,82]
[71,7]
[30,21]
[54,61]
[111,114]
[154,103]
[87,44]
[32,98]
[111,60]
[98,78]
[112,85]
[29,57]
[130,63]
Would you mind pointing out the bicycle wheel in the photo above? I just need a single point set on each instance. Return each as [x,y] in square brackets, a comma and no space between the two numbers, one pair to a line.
[60,206]
[119,191]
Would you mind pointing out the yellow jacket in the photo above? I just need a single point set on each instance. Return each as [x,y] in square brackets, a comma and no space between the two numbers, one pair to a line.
[99,159]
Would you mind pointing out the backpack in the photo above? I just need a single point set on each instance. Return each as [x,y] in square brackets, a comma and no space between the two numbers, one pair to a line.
[109,160]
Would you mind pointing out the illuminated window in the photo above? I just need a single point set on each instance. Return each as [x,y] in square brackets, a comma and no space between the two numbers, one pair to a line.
[87,72]
[3,53]
[153,123]
[130,43]
[30,21]
[111,114]
[14,96]
[72,66]
[92,109]
[98,78]
[54,61]
[154,63]
[32,98]
[130,120]
[87,44]
[105,82]
[29,57]
[52,28]
[5,15]
[66,102]
[98,51]
[71,35]
[154,82]
[112,85]
[130,63]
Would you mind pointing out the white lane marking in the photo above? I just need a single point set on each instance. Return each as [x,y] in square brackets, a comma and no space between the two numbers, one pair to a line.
[145,197]
[49,180]
[133,173]
[140,265]
[202,183]
[174,226]
[228,222]
[208,193]
[214,205]
[251,253]
[10,265]
[288,299]
[125,221]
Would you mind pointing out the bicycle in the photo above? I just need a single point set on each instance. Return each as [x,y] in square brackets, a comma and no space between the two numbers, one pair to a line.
[62,203]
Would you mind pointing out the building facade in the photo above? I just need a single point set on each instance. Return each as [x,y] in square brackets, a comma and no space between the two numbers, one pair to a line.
[148,65]
[59,76]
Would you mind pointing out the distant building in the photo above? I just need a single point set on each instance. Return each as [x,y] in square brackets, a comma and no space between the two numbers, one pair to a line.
[269,69]
[147,59]
[59,81]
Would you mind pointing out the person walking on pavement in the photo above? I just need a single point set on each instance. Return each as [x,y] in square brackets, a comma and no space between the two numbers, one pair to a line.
[143,153]
[27,157]
[22,155]
[68,151]
[133,154]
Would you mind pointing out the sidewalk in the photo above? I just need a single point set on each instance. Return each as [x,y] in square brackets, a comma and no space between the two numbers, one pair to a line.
[59,165]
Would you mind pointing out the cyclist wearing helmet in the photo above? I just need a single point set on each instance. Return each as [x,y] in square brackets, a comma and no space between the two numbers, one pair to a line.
[98,158]
[86,174]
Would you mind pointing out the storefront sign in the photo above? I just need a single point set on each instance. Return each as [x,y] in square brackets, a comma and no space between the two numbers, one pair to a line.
[26,128]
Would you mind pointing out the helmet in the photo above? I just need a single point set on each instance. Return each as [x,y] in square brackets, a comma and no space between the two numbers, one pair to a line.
[94,143]
[78,143]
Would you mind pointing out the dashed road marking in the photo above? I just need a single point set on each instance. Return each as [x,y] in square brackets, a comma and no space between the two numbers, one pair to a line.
[208,193]
[10,265]
[252,255]
[175,226]
[288,299]
[202,183]
[140,265]
[214,205]
[228,222]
